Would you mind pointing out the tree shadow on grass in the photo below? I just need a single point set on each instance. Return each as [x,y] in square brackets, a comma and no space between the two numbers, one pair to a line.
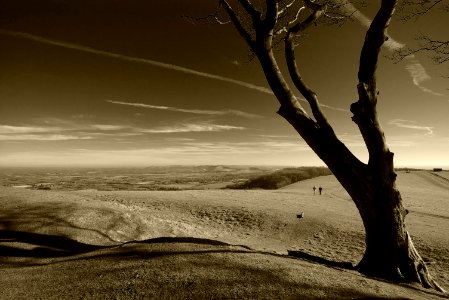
[90,224]
[15,244]
[23,244]
[177,254]
[321,260]
[29,244]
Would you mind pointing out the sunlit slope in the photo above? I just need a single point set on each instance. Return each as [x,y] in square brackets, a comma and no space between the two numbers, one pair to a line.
[331,187]
[422,191]
[425,194]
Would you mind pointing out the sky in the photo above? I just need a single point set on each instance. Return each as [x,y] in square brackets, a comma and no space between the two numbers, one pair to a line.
[136,83]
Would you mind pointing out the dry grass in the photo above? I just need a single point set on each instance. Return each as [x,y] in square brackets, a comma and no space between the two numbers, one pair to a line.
[69,245]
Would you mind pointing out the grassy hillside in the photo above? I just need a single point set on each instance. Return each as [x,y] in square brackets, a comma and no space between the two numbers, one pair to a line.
[208,244]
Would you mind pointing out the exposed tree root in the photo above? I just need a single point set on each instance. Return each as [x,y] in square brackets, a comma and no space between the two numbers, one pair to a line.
[409,267]
[415,269]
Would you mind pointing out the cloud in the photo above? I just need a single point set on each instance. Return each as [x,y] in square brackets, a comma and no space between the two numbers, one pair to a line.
[419,75]
[145,61]
[35,133]
[75,131]
[413,66]
[192,111]
[8,129]
[417,72]
[190,128]
[202,153]
[107,127]
[411,125]
[42,137]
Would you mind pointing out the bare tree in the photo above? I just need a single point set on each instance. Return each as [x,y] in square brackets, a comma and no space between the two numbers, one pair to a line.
[389,251]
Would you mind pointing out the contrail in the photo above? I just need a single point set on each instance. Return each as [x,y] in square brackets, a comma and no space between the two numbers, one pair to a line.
[133,59]
[411,125]
[150,62]
[192,111]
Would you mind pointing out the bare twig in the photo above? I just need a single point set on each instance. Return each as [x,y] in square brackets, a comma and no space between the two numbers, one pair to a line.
[413,9]
[286,7]
[439,49]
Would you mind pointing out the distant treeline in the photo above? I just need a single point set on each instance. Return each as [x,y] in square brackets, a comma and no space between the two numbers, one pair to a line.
[281,178]
[408,169]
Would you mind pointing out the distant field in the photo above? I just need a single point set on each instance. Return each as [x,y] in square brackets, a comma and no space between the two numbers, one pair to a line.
[169,178]
[131,179]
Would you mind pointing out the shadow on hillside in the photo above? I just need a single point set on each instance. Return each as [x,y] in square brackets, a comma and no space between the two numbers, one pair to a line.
[27,244]
[22,243]
[68,219]
[320,260]
[36,245]
[14,243]
[194,253]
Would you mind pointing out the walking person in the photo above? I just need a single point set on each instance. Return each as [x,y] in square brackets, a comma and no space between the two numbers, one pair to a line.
[320,189]
[314,189]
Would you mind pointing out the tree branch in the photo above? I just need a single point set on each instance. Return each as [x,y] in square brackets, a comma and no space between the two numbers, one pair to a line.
[286,7]
[308,94]
[271,16]
[252,11]
[374,39]
[309,129]
[364,110]
[289,23]
[237,24]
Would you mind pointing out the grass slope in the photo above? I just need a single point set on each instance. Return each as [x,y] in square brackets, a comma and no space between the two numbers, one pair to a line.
[73,245]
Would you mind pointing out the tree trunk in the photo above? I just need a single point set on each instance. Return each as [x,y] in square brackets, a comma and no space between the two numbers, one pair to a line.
[389,251]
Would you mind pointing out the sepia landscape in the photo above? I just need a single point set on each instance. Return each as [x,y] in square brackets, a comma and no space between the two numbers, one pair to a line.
[224,149]
[99,238]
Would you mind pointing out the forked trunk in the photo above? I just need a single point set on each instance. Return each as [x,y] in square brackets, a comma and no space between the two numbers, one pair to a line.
[389,249]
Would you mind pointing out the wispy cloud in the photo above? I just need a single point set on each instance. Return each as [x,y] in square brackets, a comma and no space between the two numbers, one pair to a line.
[419,75]
[417,72]
[186,154]
[190,128]
[42,137]
[9,129]
[37,133]
[413,66]
[76,131]
[107,127]
[145,61]
[192,111]
[411,125]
